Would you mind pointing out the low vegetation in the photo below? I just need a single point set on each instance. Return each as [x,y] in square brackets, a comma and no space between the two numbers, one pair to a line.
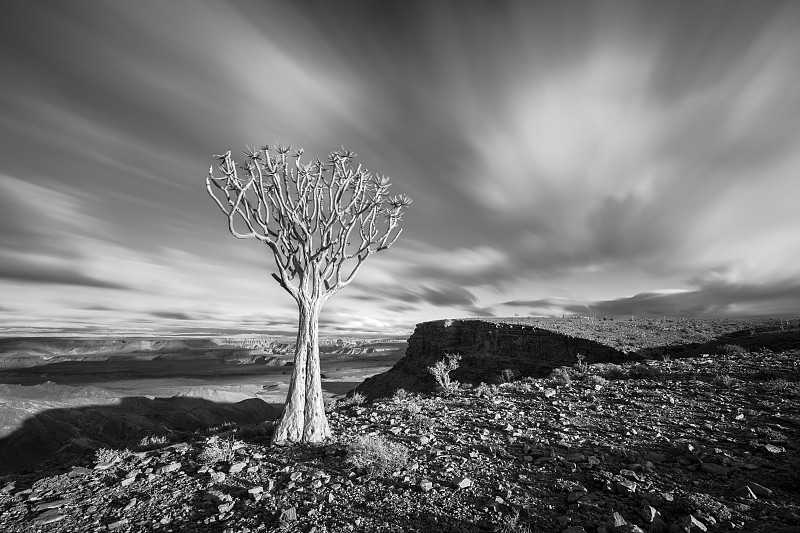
[377,455]
[441,372]
[219,450]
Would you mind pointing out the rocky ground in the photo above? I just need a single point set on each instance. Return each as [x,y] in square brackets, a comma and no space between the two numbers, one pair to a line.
[653,336]
[708,443]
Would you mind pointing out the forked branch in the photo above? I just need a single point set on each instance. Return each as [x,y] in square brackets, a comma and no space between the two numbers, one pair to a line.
[320,219]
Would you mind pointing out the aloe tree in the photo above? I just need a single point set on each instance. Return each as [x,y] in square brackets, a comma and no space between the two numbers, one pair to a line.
[321,221]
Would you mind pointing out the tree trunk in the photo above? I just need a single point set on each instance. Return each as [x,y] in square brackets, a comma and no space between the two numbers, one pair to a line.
[304,417]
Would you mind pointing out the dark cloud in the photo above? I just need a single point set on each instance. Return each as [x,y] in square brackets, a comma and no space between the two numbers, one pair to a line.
[438,293]
[714,299]
[15,270]
[171,315]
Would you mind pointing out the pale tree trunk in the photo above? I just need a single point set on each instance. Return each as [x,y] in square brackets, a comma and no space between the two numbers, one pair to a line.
[304,417]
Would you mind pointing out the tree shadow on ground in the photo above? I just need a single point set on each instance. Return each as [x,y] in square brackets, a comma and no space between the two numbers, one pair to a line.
[55,438]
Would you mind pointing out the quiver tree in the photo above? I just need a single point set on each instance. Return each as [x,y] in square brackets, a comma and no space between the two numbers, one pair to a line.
[321,221]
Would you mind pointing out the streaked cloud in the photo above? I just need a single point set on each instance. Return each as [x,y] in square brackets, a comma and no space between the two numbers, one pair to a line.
[607,156]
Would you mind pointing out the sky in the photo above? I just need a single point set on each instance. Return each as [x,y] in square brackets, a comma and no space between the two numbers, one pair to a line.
[602,158]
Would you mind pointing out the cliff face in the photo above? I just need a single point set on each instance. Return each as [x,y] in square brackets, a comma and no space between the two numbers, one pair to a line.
[487,348]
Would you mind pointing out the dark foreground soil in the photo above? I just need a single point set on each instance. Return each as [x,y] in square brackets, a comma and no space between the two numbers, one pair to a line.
[708,443]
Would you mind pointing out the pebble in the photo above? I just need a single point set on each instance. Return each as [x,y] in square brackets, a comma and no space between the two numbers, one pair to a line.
[462,483]
[51,505]
[48,517]
[118,524]
[758,490]
[237,467]
[717,470]
[288,515]
[171,467]
[690,524]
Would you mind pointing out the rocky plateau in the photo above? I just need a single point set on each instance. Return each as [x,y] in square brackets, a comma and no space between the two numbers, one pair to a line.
[702,436]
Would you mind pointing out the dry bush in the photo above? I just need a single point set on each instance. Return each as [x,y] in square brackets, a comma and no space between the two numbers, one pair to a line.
[725,380]
[331,403]
[561,375]
[400,395]
[108,455]
[412,408]
[376,455]
[486,391]
[643,371]
[776,385]
[421,423]
[581,367]
[441,372]
[611,371]
[354,400]
[507,375]
[151,442]
[218,450]
[512,524]
[733,349]
[595,381]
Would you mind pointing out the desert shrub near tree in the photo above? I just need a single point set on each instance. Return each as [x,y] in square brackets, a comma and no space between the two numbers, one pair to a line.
[376,454]
[441,372]
[321,221]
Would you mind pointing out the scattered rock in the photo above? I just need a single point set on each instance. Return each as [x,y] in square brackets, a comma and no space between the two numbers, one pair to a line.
[717,470]
[48,517]
[758,490]
[554,451]
[288,515]
[690,524]
[462,483]
[118,524]
[56,504]
[171,467]
[238,467]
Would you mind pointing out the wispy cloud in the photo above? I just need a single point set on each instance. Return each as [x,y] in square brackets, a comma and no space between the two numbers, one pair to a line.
[715,299]
[573,155]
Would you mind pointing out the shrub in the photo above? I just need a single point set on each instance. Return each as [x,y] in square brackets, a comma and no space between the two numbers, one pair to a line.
[107,455]
[508,375]
[486,391]
[595,381]
[734,349]
[612,371]
[581,367]
[217,450]
[441,372]
[354,400]
[412,408]
[151,442]
[776,385]
[512,524]
[725,380]
[642,371]
[421,423]
[357,399]
[561,375]
[331,403]
[400,395]
[376,455]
